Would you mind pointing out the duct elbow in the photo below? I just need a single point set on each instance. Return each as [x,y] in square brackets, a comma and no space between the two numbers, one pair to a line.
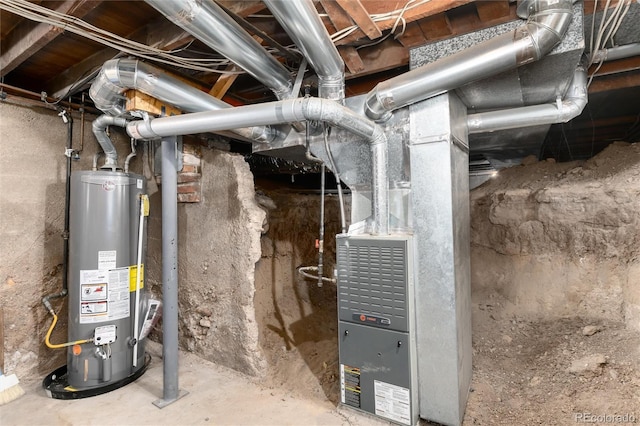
[376,107]
[99,127]
[545,28]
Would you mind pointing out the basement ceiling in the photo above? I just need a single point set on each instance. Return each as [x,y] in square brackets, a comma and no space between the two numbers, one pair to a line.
[41,61]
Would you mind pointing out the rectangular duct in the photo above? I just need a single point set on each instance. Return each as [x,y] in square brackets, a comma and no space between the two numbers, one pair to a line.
[440,212]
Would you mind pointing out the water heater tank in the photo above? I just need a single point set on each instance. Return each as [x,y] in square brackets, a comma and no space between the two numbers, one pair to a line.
[103,266]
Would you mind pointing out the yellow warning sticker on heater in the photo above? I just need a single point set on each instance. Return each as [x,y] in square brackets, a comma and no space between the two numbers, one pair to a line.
[133,277]
[145,204]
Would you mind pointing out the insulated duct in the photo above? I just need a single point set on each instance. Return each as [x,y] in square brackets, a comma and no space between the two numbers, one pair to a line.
[206,21]
[546,25]
[301,21]
[293,110]
[100,126]
[560,112]
[119,75]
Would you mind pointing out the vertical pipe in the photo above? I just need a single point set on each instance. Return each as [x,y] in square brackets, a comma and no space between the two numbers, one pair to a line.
[170,269]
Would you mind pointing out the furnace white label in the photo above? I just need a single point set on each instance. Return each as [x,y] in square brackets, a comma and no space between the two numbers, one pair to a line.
[392,402]
[106,259]
[139,183]
[104,295]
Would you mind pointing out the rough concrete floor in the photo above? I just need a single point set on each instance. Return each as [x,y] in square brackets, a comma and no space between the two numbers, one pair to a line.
[217,396]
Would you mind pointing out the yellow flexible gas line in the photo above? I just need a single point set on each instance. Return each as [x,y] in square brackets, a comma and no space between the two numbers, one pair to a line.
[61,345]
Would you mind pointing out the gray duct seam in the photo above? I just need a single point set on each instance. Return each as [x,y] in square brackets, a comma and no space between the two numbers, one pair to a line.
[310,109]
[531,41]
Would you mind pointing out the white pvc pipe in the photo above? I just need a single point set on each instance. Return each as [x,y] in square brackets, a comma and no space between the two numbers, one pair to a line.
[136,326]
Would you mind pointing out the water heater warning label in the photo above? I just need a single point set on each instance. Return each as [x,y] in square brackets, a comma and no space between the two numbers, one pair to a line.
[104,295]
[392,402]
[350,385]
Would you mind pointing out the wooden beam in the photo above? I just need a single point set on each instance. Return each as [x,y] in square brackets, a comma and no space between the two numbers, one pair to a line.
[413,36]
[352,59]
[139,101]
[430,8]
[614,81]
[436,27]
[492,10]
[29,37]
[338,17]
[223,83]
[359,14]
[381,57]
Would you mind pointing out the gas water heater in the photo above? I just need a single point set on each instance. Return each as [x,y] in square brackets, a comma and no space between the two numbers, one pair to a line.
[108,303]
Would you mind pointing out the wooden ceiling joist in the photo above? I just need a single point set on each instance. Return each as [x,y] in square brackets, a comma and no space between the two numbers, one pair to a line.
[29,37]
[360,16]
[410,15]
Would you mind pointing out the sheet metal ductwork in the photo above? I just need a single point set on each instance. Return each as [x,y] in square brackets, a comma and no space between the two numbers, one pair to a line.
[119,75]
[279,112]
[560,112]
[546,25]
[301,21]
[206,21]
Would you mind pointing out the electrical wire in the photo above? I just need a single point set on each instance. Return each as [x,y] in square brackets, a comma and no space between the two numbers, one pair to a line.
[77,26]
[607,30]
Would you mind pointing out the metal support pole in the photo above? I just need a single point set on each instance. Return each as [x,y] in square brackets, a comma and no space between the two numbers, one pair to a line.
[171,392]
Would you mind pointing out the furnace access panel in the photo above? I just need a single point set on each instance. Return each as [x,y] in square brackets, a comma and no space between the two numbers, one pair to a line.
[376,326]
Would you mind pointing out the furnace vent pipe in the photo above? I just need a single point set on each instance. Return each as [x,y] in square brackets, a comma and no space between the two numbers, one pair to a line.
[618,52]
[206,21]
[119,75]
[301,21]
[292,110]
[545,28]
[100,126]
[560,112]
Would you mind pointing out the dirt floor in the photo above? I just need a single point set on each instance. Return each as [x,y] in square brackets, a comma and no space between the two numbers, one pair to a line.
[530,365]
[551,372]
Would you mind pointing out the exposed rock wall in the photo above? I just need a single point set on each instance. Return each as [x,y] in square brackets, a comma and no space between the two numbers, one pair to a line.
[219,244]
[562,239]
[298,319]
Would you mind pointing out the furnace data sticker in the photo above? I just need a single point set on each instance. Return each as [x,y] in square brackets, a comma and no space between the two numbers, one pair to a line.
[392,402]
[350,385]
[106,259]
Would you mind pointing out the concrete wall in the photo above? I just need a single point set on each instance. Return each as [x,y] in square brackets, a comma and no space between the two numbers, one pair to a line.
[32,190]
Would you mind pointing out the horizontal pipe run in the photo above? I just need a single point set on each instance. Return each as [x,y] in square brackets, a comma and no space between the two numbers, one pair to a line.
[119,75]
[208,22]
[560,112]
[618,52]
[279,112]
[544,29]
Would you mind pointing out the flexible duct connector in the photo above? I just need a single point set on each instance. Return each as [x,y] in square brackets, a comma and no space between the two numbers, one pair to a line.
[120,75]
[560,112]
[310,109]
[206,21]
[100,126]
[545,28]
[301,21]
